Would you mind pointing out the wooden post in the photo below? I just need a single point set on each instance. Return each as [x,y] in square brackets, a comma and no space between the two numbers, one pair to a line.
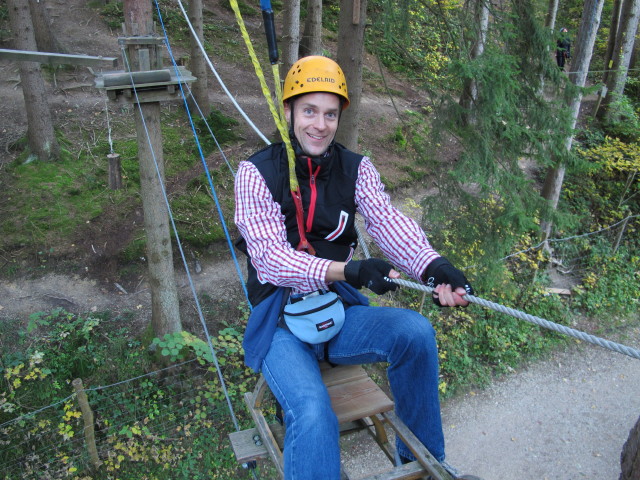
[115,171]
[620,235]
[145,54]
[87,418]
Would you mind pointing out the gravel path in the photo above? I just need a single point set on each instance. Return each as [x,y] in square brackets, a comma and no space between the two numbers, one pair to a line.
[566,418]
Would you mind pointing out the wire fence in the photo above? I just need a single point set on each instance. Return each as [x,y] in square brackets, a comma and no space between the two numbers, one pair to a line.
[146,424]
[158,421]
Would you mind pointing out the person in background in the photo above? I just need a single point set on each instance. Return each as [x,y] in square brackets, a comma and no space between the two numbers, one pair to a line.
[298,255]
[563,48]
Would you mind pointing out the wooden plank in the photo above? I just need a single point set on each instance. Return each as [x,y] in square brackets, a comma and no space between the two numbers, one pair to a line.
[421,453]
[144,96]
[358,399]
[141,40]
[266,433]
[57,58]
[342,374]
[244,446]
[410,471]
[126,79]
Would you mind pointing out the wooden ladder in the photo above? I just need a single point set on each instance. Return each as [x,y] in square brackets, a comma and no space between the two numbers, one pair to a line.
[359,404]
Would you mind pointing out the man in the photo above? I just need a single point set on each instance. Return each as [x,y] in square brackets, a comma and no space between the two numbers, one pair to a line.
[335,183]
[563,50]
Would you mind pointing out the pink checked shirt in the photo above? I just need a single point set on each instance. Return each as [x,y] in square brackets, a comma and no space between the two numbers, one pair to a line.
[261,223]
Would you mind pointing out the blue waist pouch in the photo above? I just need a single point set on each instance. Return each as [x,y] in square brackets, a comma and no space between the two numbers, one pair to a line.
[316,319]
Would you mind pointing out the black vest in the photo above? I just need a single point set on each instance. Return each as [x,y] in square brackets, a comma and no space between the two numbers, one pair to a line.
[332,232]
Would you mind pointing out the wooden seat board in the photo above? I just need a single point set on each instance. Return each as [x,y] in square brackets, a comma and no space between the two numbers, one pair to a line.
[354,398]
[358,399]
[342,374]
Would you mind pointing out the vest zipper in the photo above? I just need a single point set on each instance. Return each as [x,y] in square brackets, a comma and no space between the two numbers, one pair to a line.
[314,193]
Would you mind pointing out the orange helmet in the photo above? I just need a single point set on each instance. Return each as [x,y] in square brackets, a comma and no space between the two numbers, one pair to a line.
[315,74]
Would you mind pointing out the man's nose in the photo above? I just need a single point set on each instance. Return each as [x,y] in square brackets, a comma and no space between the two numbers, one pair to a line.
[320,122]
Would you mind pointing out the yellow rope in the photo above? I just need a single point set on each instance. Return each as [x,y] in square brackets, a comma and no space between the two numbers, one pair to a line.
[278,117]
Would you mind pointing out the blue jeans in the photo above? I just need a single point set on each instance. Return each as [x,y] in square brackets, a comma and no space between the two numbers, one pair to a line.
[403,338]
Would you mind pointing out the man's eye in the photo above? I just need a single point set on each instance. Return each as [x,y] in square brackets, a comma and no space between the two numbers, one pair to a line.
[308,111]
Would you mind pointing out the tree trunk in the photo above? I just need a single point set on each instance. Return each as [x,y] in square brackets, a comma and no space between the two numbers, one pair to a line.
[165,313]
[198,65]
[311,43]
[470,88]
[40,132]
[351,24]
[552,12]
[622,52]
[579,68]
[45,39]
[611,42]
[290,33]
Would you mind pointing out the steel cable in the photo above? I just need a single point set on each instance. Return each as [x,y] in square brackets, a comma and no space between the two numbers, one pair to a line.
[572,332]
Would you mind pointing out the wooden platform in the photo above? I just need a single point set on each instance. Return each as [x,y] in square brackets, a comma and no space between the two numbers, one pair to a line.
[359,404]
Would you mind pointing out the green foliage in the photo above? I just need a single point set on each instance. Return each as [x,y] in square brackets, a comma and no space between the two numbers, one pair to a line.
[622,119]
[228,349]
[486,197]
[632,90]
[218,125]
[145,428]
[412,37]
[610,292]
[113,14]
[58,346]
[608,190]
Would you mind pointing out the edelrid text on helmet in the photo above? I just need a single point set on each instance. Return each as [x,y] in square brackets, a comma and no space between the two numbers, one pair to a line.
[316,74]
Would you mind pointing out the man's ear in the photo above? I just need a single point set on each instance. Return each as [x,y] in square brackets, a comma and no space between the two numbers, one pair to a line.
[287,111]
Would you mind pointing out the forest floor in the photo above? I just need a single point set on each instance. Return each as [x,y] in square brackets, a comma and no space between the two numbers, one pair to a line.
[563,418]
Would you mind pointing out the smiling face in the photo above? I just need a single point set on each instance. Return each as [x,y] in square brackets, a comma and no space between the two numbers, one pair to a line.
[315,121]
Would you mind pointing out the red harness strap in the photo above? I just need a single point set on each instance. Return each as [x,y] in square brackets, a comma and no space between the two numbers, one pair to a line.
[304,243]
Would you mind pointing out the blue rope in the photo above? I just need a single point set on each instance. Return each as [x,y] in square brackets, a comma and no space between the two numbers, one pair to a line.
[178,242]
[204,162]
[171,218]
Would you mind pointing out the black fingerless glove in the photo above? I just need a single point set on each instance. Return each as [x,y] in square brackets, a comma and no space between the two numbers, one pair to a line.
[441,271]
[371,273]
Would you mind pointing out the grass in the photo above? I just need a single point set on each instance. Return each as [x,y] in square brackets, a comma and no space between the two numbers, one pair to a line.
[49,203]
